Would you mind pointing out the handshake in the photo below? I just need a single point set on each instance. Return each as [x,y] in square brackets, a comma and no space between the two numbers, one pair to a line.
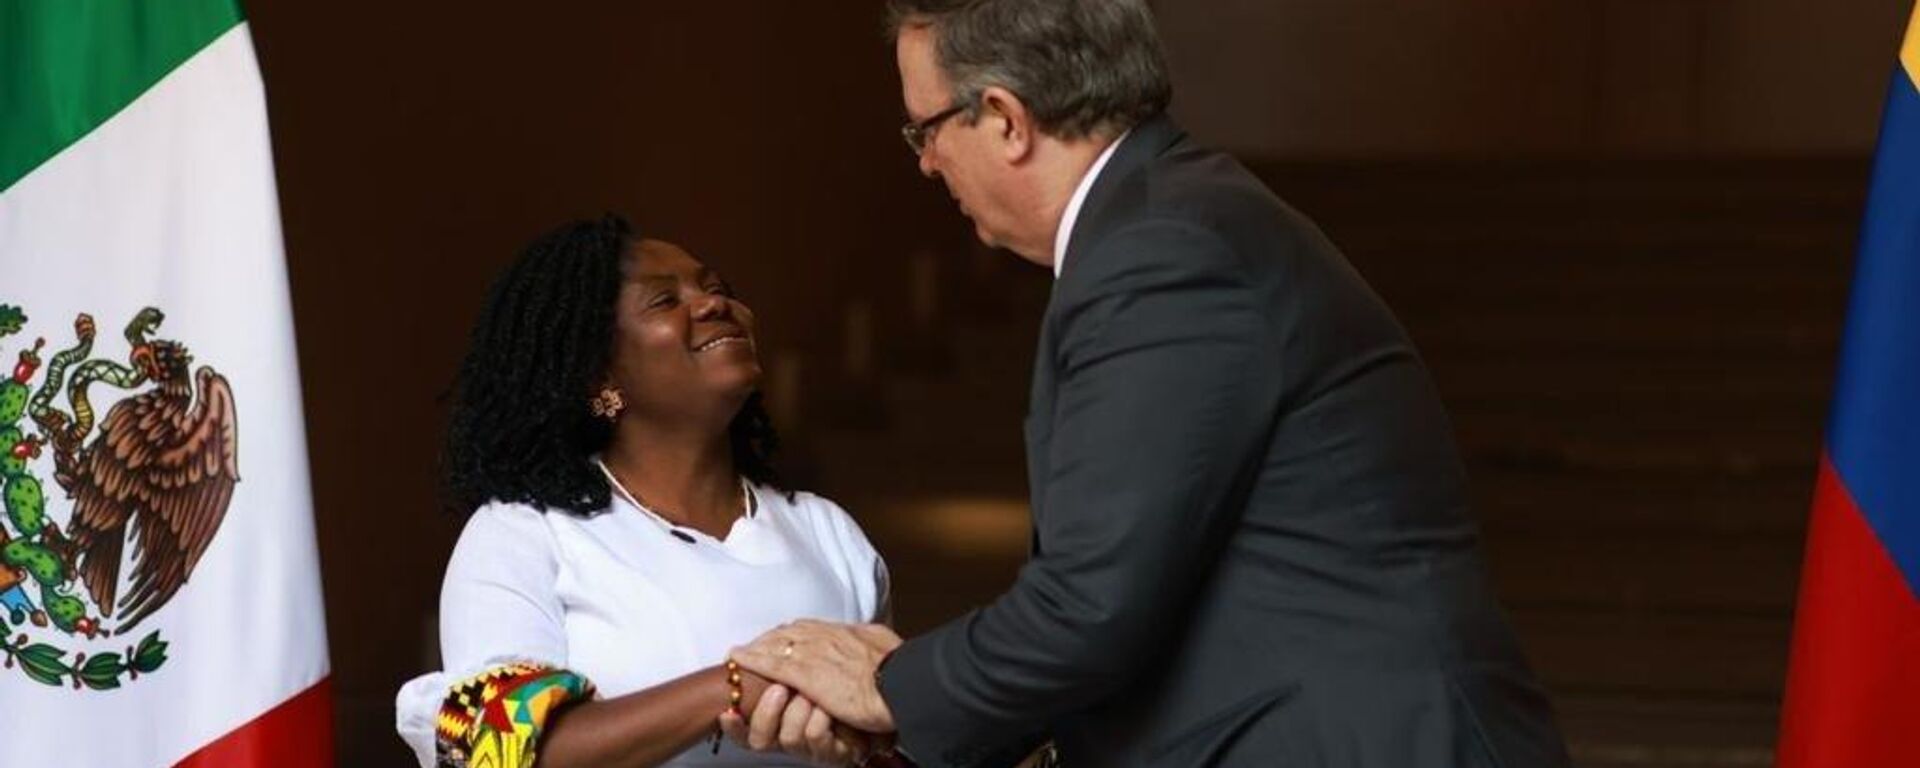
[822,702]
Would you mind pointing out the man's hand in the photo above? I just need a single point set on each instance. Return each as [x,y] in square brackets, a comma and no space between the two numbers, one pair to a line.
[830,664]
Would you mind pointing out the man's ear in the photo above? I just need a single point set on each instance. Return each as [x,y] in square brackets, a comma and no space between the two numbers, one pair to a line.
[1011,125]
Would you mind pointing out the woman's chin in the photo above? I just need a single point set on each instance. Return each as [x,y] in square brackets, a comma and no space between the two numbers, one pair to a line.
[737,381]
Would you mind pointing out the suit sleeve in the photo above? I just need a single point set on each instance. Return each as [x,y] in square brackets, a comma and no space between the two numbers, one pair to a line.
[1168,379]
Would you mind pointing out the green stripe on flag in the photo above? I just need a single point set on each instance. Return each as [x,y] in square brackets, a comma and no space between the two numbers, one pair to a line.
[66,66]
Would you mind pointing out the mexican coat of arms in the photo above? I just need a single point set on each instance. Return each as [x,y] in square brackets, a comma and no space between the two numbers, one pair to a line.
[143,491]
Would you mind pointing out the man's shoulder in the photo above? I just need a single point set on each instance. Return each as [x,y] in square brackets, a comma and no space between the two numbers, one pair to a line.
[1177,217]
[1194,188]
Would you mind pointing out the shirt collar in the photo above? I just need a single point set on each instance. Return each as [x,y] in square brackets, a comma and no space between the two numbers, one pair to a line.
[1065,232]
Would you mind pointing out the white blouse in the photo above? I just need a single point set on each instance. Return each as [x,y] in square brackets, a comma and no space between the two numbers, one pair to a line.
[629,601]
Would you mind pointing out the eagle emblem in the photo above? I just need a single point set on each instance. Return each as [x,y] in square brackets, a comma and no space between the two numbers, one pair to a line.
[149,486]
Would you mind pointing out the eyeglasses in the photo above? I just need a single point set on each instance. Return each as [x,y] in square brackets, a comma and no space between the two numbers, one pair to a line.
[918,134]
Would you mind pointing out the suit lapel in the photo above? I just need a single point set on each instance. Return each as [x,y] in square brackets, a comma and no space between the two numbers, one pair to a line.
[1147,141]
[1038,427]
[1142,145]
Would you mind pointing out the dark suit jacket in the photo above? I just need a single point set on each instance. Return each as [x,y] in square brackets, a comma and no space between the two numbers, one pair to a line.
[1252,544]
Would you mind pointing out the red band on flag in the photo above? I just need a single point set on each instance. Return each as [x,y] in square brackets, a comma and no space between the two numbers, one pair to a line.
[296,734]
[1850,690]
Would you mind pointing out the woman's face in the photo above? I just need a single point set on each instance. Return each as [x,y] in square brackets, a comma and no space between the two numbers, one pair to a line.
[683,345]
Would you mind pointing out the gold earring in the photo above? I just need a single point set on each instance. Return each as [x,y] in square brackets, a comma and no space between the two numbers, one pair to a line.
[608,403]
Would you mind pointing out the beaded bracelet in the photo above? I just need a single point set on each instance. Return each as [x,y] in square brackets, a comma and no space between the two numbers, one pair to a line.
[735,693]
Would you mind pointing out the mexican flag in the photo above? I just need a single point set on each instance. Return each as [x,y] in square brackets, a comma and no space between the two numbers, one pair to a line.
[159,585]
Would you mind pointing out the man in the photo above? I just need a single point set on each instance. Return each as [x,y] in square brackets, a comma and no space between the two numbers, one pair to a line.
[1251,539]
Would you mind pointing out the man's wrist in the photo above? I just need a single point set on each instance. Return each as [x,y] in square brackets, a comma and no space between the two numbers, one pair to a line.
[879,688]
[892,756]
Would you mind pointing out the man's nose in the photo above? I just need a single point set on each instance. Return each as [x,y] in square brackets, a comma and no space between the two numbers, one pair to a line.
[927,168]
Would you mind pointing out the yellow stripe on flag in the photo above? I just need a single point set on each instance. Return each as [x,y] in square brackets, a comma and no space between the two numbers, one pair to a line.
[1910,51]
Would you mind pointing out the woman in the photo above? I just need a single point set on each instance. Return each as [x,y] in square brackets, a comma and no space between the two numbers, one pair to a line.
[626,529]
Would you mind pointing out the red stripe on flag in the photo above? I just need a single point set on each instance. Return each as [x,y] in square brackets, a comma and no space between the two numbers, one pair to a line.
[296,734]
[1851,688]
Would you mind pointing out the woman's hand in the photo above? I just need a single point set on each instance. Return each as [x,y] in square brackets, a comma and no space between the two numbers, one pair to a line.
[794,725]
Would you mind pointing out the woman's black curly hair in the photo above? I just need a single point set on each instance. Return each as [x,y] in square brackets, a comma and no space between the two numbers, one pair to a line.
[520,428]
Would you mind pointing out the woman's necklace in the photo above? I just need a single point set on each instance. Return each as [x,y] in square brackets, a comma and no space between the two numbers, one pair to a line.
[749,504]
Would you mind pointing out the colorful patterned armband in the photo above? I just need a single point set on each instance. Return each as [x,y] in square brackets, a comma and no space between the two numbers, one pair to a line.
[495,719]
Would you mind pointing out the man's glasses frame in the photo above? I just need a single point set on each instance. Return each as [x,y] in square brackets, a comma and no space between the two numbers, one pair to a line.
[917,134]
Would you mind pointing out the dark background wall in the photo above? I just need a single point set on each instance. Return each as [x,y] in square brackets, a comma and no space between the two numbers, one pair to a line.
[1374,78]
[1619,230]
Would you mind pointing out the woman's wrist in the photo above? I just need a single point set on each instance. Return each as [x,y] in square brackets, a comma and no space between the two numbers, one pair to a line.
[752,687]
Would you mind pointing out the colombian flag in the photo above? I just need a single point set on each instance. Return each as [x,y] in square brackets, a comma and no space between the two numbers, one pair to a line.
[1853,689]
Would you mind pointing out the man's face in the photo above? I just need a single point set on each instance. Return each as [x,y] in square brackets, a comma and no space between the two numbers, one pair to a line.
[958,153]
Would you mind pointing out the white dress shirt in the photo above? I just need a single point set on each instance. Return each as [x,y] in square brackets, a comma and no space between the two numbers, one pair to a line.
[1065,232]
[624,600]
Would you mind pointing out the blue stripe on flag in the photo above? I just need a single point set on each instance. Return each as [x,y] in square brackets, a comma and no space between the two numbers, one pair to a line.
[1874,434]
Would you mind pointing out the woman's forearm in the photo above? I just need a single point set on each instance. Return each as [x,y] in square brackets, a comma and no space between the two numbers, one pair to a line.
[644,728]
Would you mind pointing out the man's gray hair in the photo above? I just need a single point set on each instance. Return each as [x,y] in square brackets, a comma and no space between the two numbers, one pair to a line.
[1080,66]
